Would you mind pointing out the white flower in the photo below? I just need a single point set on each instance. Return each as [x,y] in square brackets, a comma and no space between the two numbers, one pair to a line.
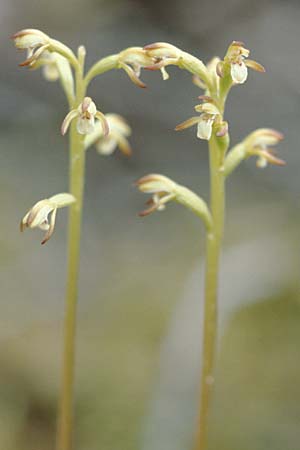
[86,113]
[119,130]
[86,116]
[37,216]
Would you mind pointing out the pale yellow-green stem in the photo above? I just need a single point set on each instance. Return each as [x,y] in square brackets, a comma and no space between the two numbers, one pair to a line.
[213,247]
[76,188]
[217,151]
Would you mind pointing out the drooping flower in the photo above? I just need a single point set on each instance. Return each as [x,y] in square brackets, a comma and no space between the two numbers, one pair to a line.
[38,215]
[236,62]
[164,54]
[164,190]
[34,41]
[257,144]
[86,113]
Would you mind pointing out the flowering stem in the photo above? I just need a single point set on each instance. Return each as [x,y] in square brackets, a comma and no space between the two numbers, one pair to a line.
[76,186]
[213,247]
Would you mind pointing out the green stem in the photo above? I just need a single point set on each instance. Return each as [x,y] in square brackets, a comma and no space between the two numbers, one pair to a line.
[213,247]
[76,188]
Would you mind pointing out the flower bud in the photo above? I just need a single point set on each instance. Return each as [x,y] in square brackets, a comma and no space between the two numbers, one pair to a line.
[37,216]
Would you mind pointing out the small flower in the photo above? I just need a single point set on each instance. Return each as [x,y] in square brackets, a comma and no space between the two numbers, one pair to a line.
[132,60]
[34,41]
[164,54]
[119,130]
[209,115]
[37,216]
[163,190]
[237,63]
[258,143]
[86,113]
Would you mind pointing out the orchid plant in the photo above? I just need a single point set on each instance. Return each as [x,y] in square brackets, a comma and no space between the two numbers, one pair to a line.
[89,126]
[215,79]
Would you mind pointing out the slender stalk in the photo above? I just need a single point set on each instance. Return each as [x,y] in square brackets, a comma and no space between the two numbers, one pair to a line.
[76,188]
[213,247]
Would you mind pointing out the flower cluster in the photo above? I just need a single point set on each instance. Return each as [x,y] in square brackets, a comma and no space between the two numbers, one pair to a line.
[37,216]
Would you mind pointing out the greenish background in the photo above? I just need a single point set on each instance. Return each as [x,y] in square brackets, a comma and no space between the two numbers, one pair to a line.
[141,281]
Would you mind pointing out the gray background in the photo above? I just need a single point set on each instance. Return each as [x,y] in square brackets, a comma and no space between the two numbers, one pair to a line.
[140,282]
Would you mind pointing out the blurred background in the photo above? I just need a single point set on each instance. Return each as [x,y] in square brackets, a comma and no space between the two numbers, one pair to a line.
[141,282]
